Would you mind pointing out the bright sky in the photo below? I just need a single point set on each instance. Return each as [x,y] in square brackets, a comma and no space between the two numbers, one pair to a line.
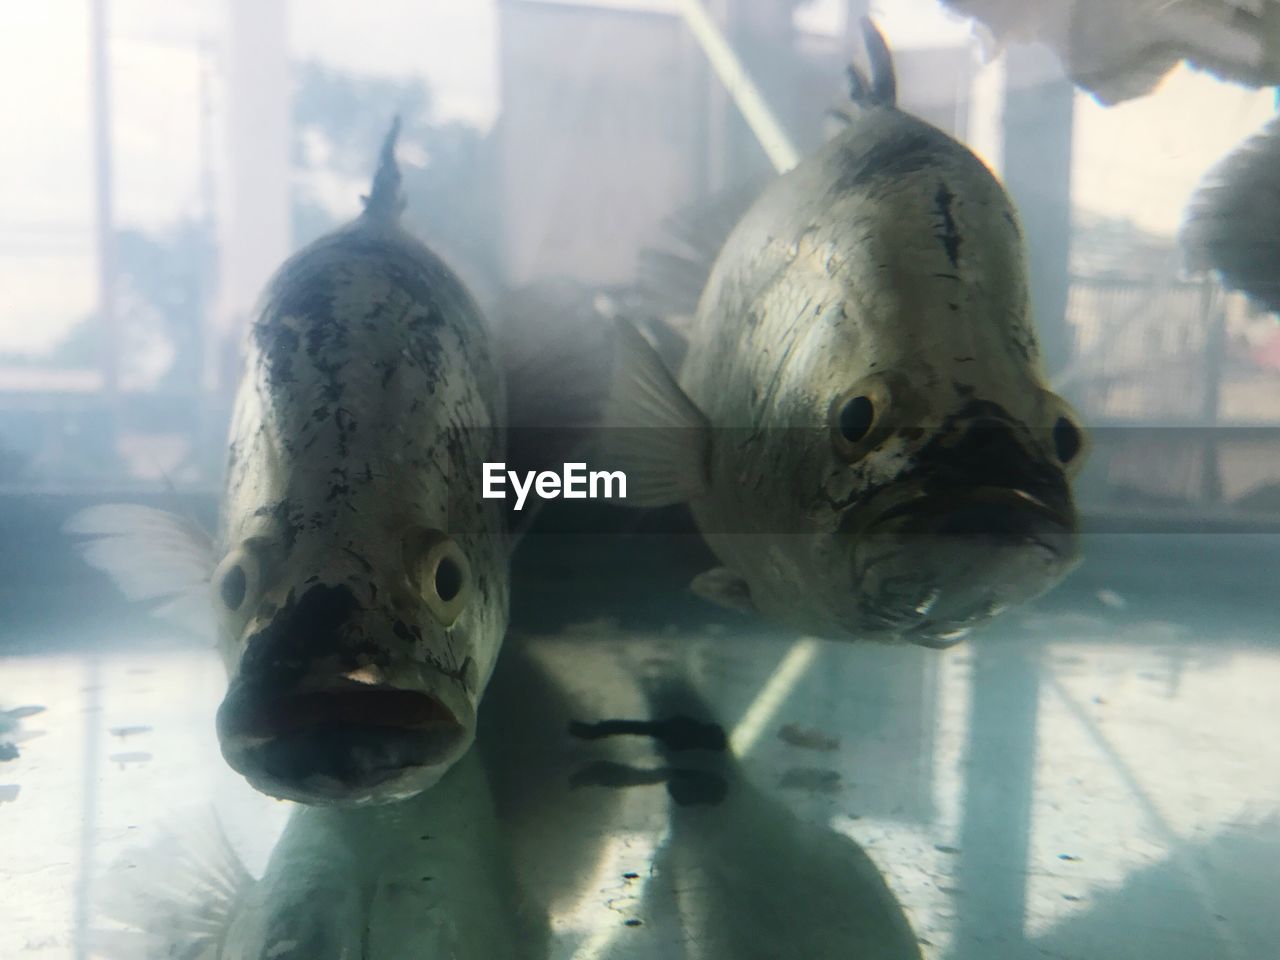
[1139,160]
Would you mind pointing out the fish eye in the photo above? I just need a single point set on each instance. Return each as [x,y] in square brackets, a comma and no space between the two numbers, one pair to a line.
[855,418]
[233,587]
[237,578]
[448,579]
[439,572]
[1066,440]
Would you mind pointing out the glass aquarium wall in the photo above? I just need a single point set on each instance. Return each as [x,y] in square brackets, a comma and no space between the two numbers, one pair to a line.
[1092,773]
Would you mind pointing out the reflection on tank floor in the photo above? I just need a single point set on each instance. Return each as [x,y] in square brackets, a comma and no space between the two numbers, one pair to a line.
[1095,777]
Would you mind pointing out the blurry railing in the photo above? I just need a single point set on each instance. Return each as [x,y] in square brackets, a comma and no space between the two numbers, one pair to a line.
[1180,384]
[62,435]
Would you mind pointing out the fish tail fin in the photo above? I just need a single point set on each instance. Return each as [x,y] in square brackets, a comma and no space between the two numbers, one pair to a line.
[386,201]
[177,897]
[151,556]
[880,89]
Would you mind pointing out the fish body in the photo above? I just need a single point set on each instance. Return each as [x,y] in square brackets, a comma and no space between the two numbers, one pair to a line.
[861,425]
[359,582]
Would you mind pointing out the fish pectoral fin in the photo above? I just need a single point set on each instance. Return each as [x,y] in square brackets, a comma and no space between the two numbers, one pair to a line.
[150,555]
[722,586]
[176,897]
[650,429]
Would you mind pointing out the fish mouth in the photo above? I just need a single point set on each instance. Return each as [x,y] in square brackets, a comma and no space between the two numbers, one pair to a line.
[936,636]
[356,744]
[974,511]
[932,566]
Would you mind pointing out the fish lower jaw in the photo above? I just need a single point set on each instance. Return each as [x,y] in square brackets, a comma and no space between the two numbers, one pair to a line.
[346,767]
[348,745]
[903,631]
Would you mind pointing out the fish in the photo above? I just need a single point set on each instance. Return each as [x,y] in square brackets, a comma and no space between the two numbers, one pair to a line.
[1120,51]
[1231,225]
[358,583]
[860,425]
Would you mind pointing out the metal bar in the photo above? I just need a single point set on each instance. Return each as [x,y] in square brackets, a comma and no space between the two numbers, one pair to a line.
[791,669]
[100,92]
[773,139]
[1213,319]
[82,910]
[1038,115]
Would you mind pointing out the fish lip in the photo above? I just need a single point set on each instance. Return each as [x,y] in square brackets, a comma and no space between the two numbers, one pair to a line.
[358,705]
[345,744]
[1035,523]
[932,635]
[936,504]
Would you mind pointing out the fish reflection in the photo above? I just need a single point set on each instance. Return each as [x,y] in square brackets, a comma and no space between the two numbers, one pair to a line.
[750,880]
[490,861]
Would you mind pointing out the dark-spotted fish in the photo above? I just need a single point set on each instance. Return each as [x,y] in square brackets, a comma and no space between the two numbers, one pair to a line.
[861,425]
[359,580]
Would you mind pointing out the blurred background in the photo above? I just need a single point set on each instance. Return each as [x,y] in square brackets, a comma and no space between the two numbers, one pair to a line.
[162,159]
[1094,777]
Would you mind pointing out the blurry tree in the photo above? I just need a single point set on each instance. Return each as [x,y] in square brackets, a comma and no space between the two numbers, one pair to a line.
[166,280]
[164,277]
[162,280]
[340,120]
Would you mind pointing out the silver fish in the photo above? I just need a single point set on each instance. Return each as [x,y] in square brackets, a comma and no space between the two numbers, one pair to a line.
[861,425]
[358,579]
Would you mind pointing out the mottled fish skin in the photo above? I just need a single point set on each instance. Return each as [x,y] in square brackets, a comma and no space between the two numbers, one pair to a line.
[371,399]
[888,264]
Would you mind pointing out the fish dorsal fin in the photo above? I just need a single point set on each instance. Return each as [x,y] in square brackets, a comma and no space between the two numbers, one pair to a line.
[651,430]
[881,88]
[673,273]
[385,201]
[150,555]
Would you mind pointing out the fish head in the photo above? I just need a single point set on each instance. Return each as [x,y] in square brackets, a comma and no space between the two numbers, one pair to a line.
[946,458]
[958,519]
[355,666]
